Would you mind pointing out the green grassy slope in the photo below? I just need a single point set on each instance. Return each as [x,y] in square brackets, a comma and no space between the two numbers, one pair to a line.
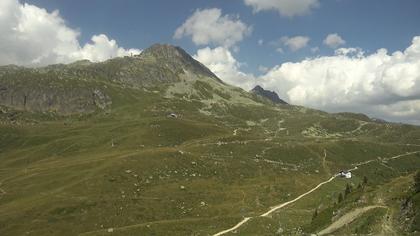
[134,170]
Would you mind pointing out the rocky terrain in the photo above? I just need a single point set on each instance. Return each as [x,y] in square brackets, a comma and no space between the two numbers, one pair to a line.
[270,95]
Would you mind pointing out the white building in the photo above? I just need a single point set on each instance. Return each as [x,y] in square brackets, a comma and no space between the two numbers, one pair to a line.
[173,115]
[345,174]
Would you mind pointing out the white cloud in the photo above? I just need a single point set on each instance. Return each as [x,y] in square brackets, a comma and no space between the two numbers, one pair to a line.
[260,42]
[380,84]
[288,8]
[315,49]
[209,26]
[221,62]
[295,43]
[334,41]
[102,49]
[383,85]
[32,36]
[263,69]
[280,50]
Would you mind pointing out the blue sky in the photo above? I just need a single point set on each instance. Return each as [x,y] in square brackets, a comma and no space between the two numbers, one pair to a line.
[369,25]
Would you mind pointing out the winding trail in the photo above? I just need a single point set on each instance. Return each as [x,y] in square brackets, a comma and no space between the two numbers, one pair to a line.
[299,197]
[234,227]
[347,218]
[275,208]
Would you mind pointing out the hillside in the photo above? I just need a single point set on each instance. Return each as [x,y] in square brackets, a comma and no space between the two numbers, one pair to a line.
[156,143]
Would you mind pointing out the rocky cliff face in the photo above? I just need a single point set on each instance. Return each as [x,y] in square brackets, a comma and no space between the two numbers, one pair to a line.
[175,59]
[80,87]
[36,92]
[270,95]
[159,64]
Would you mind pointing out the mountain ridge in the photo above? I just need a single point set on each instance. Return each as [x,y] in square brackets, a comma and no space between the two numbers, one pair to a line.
[177,56]
[45,88]
[270,95]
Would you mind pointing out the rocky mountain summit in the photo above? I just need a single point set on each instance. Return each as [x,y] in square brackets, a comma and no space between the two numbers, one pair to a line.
[81,87]
[174,58]
[270,95]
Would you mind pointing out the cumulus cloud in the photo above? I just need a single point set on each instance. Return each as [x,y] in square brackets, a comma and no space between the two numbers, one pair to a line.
[382,84]
[263,69]
[221,62]
[288,8]
[334,41]
[102,48]
[315,49]
[209,26]
[295,43]
[32,36]
[280,50]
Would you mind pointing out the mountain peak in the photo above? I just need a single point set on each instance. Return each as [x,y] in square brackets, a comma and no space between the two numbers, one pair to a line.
[257,89]
[270,95]
[165,51]
[176,58]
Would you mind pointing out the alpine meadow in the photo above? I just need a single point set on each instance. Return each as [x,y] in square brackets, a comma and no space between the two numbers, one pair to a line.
[313,135]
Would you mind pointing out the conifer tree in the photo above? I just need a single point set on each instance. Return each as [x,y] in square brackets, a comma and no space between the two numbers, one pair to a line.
[315,214]
[417,182]
[365,180]
[348,189]
[340,198]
